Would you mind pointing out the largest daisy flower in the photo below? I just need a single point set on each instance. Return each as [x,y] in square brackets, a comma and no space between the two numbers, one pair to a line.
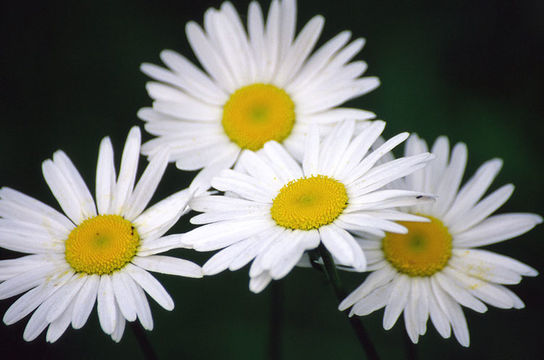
[274,209]
[435,268]
[95,253]
[259,85]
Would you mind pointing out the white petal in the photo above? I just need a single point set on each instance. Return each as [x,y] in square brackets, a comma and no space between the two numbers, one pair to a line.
[192,79]
[491,258]
[127,174]
[372,302]
[159,218]
[300,50]
[218,235]
[119,327]
[459,294]
[310,163]
[33,298]
[16,205]
[151,286]
[63,191]
[243,185]
[59,326]
[203,179]
[105,176]
[84,302]
[375,280]
[455,315]
[65,296]
[107,312]
[208,57]
[473,190]
[140,303]
[281,161]
[26,281]
[146,186]
[258,283]
[342,246]
[397,301]
[168,265]
[76,182]
[482,210]
[125,302]
[162,244]
[497,228]
[334,147]
[369,161]
[447,187]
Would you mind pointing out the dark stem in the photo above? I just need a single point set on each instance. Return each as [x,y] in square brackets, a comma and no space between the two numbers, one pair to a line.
[411,348]
[355,322]
[143,341]
[276,310]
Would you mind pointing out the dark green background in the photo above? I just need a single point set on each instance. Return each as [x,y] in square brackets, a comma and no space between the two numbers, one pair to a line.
[469,69]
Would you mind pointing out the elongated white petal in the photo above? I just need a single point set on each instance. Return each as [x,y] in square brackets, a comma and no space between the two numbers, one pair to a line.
[124,302]
[497,228]
[151,286]
[127,174]
[84,302]
[105,177]
[398,299]
[107,311]
[168,265]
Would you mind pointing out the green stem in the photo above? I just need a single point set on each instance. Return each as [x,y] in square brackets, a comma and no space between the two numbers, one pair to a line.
[411,348]
[275,320]
[355,322]
[143,341]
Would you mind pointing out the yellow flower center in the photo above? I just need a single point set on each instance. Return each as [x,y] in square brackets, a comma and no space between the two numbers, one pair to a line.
[256,114]
[423,251]
[309,203]
[102,245]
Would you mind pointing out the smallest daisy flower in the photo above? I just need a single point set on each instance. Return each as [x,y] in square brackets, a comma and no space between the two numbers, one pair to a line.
[96,252]
[274,209]
[434,268]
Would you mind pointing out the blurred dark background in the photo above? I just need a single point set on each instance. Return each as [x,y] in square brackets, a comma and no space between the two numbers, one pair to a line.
[469,69]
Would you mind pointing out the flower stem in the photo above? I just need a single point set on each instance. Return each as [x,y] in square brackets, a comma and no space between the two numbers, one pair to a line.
[411,348]
[275,320]
[355,322]
[143,341]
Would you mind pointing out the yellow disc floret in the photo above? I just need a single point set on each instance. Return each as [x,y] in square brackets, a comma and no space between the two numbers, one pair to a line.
[423,251]
[256,114]
[309,203]
[102,245]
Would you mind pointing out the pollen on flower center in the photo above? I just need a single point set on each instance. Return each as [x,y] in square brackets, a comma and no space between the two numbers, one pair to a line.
[102,245]
[258,113]
[309,203]
[423,251]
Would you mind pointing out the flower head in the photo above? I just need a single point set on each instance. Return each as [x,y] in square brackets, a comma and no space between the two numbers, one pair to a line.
[98,252]
[434,268]
[259,85]
[274,209]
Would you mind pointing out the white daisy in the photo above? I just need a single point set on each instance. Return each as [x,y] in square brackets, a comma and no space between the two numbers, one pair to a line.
[94,253]
[274,209]
[434,268]
[259,85]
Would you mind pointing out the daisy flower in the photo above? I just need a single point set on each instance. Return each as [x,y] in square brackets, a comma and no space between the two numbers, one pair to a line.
[435,268]
[275,209]
[259,85]
[93,253]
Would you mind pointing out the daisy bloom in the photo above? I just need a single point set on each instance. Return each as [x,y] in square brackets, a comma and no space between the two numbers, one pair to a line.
[93,253]
[434,268]
[275,209]
[259,85]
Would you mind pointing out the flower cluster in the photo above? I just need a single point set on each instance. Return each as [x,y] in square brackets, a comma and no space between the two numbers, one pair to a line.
[293,176]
